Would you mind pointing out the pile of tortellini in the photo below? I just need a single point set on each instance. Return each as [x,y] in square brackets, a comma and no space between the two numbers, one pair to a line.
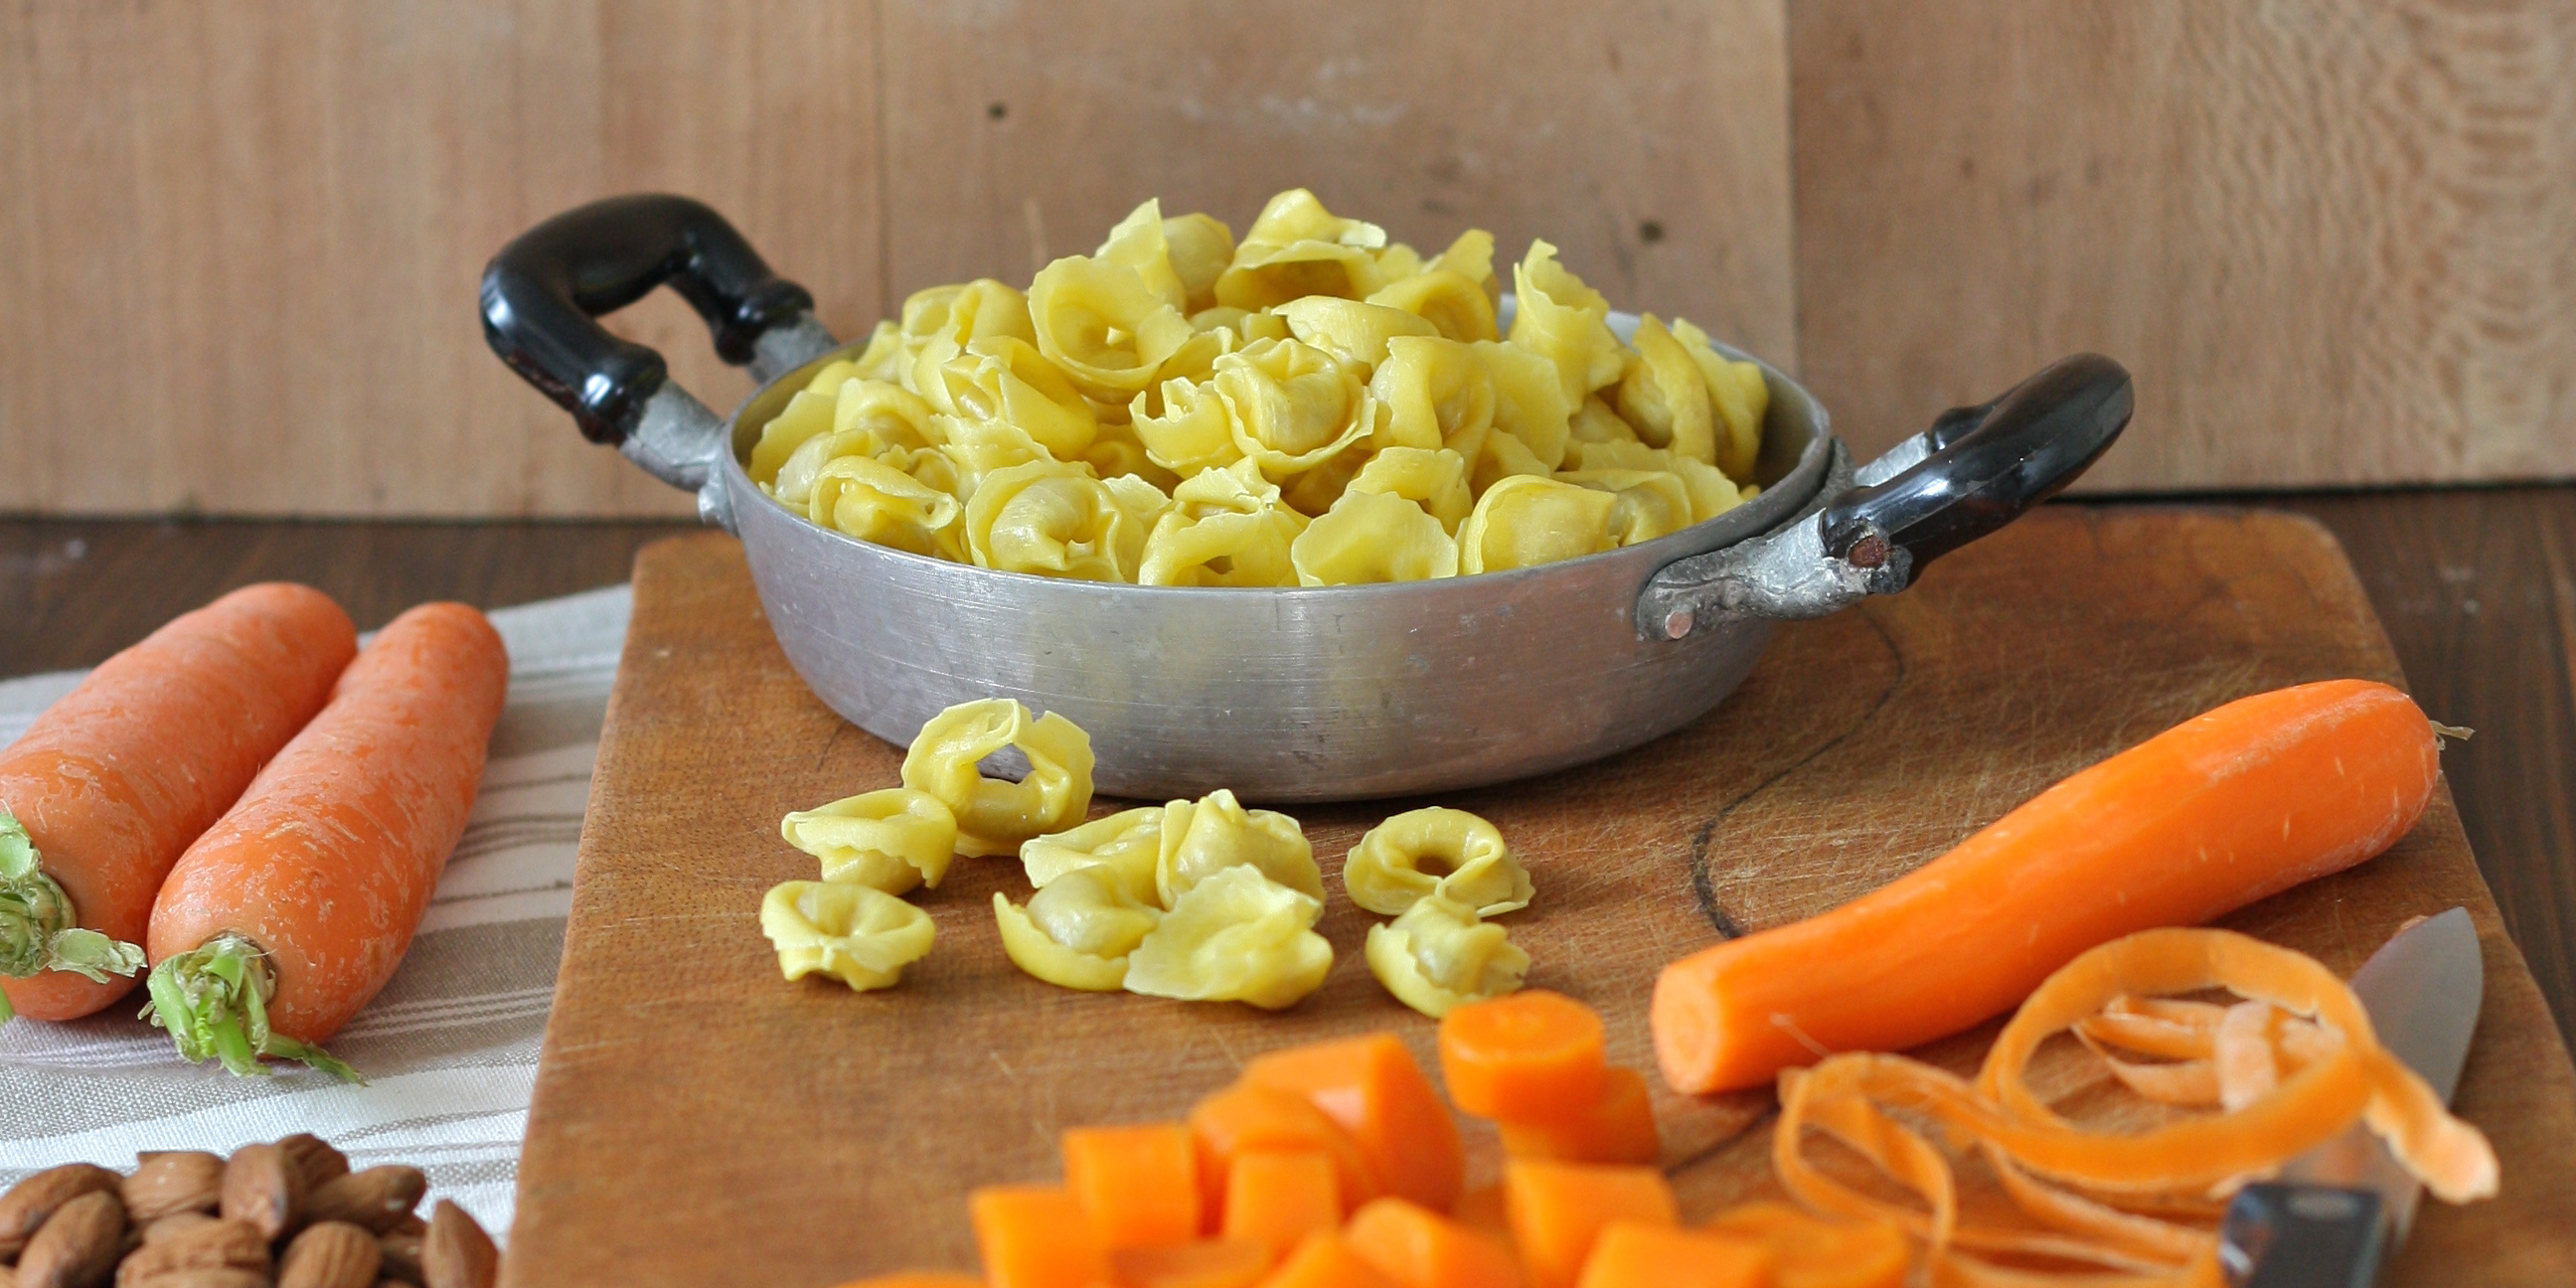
[1311,406]
[1202,900]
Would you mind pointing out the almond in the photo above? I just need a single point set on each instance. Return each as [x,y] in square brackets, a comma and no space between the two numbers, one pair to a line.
[315,1158]
[24,1209]
[174,1225]
[204,1277]
[330,1254]
[457,1254]
[401,1257]
[216,1245]
[411,1225]
[261,1187]
[377,1198]
[77,1246]
[178,1181]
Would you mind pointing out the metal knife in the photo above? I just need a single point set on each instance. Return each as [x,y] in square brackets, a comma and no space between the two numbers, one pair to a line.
[2338,1208]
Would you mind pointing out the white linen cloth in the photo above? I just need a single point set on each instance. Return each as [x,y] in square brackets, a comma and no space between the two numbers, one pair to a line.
[449,1048]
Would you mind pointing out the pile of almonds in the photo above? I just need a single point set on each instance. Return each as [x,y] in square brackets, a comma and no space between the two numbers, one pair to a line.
[289,1215]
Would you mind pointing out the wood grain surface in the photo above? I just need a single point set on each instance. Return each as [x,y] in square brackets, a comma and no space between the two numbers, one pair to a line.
[697,1120]
[2335,239]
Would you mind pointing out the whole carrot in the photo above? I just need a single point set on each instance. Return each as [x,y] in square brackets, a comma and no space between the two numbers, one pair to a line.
[286,917]
[2245,801]
[111,784]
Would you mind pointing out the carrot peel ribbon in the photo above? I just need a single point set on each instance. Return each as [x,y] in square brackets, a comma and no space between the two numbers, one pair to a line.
[214,1001]
[2293,1065]
[39,929]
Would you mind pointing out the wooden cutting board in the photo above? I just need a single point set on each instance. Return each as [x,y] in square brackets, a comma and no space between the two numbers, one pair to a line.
[700,1121]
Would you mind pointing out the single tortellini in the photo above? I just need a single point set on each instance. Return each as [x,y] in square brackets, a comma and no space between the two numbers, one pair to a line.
[1449,853]
[1651,503]
[1435,479]
[1456,308]
[1200,247]
[1006,379]
[1293,406]
[1526,520]
[1227,527]
[1529,402]
[1056,520]
[994,815]
[1711,492]
[1235,936]
[1504,456]
[1077,930]
[1296,249]
[1126,847]
[806,416]
[1566,322]
[1436,393]
[1104,325]
[1665,398]
[1595,422]
[1354,332]
[1141,242]
[1740,397]
[1439,956]
[1215,833]
[1193,430]
[883,357]
[965,313]
[857,935]
[893,840]
[891,416]
[876,501]
[1373,537]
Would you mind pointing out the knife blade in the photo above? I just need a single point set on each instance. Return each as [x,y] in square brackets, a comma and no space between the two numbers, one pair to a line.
[2338,1208]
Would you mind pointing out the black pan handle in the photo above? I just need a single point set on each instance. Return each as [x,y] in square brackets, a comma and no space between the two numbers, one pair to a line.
[543,294]
[1988,466]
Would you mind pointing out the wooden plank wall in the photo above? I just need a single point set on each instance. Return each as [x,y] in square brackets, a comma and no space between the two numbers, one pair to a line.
[258,226]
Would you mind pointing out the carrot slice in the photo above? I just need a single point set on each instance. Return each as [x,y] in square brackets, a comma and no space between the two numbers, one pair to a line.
[286,917]
[1035,1236]
[1559,1209]
[1244,1118]
[1324,1261]
[1415,1247]
[1635,1254]
[1618,1127]
[2252,798]
[1810,1252]
[1139,1184]
[1276,1197]
[1527,1057]
[1207,1263]
[1483,1210]
[1373,1088]
[112,783]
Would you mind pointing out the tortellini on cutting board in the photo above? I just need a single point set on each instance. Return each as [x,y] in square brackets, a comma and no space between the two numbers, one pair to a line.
[1439,956]
[860,936]
[1061,432]
[893,840]
[995,815]
[1440,873]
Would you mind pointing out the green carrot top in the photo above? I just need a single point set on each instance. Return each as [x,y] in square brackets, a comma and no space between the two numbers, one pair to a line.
[39,928]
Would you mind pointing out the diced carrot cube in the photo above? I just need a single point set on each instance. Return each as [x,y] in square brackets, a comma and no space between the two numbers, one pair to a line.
[1415,1247]
[1814,1252]
[1245,1117]
[1524,1057]
[1207,1263]
[1618,1127]
[1482,1210]
[1374,1089]
[1138,1183]
[1559,1209]
[1324,1261]
[1633,1254]
[1276,1197]
[1034,1236]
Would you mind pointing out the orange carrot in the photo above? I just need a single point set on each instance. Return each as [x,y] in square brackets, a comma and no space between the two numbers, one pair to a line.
[2250,799]
[287,916]
[1811,1252]
[1415,1247]
[1276,1197]
[1523,1057]
[1482,1210]
[1139,1184]
[1559,1209]
[110,785]
[1324,1261]
[1242,1118]
[1632,1254]
[1035,1236]
[1617,1127]
[1372,1087]
[1207,1263]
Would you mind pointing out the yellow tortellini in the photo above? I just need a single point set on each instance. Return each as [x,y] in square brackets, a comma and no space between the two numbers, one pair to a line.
[1216,833]
[892,840]
[1101,426]
[1448,853]
[1076,932]
[994,815]
[1125,847]
[1439,956]
[860,936]
[1237,936]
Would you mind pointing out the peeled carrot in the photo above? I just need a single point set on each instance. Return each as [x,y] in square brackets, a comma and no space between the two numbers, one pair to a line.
[1276,1197]
[1559,1209]
[1207,1263]
[287,916]
[1631,1254]
[1035,1236]
[1324,1261]
[2248,800]
[1139,1184]
[1243,1118]
[1372,1087]
[1617,1127]
[1523,1057]
[1811,1252]
[110,785]
[1415,1247]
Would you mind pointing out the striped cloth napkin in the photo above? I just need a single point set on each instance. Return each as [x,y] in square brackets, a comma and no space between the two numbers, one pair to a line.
[450,1046]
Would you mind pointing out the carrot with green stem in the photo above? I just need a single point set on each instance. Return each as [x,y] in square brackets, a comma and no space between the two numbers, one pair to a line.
[292,912]
[113,782]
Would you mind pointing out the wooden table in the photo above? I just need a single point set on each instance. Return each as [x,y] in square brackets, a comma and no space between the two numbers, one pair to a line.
[2477,589]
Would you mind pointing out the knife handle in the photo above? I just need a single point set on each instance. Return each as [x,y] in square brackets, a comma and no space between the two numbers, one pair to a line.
[2302,1236]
